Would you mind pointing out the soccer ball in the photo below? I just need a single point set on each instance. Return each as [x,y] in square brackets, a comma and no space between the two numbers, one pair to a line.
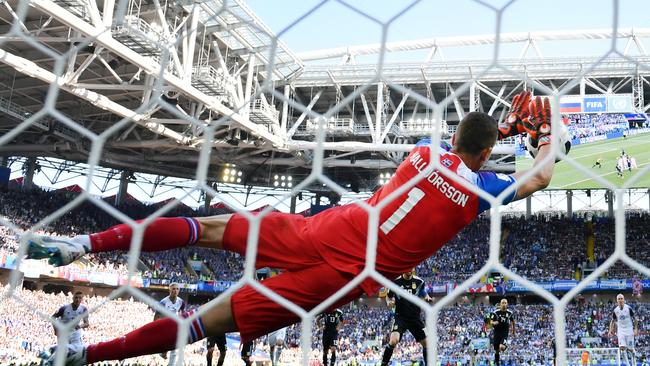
[565,143]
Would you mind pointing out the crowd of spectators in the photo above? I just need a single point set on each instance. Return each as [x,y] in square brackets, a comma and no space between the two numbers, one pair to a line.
[538,248]
[25,209]
[25,328]
[454,262]
[544,248]
[637,241]
[589,125]
[462,326]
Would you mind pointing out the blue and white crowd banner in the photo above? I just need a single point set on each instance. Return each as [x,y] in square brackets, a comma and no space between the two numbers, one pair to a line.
[613,284]
[567,285]
[480,343]
[438,288]
[636,116]
[564,285]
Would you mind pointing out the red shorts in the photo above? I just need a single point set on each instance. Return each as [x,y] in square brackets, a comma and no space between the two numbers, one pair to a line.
[307,281]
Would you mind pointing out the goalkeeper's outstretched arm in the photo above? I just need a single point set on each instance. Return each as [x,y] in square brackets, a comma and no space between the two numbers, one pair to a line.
[541,178]
[538,128]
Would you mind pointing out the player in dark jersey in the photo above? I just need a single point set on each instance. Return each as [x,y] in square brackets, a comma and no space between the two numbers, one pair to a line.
[323,253]
[598,163]
[247,352]
[502,320]
[331,325]
[220,342]
[407,314]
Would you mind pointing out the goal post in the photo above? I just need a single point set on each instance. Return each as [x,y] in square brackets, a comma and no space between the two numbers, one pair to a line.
[595,356]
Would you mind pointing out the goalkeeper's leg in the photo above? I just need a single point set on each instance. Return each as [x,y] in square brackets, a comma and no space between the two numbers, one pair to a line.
[160,335]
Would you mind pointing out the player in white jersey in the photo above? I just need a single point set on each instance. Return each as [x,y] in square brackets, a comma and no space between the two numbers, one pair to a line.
[276,342]
[176,305]
[626,327]
[69,313]
[72,312]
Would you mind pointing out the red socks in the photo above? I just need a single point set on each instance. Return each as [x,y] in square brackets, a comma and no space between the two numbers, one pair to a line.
[155,337]
[160,335]
[162,234]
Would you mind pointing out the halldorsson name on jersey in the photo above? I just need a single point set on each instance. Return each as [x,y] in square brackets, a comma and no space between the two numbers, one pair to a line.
[439,182]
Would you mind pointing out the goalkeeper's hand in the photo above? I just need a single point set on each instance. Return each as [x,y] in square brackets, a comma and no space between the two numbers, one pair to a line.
[512,125]
[538,123]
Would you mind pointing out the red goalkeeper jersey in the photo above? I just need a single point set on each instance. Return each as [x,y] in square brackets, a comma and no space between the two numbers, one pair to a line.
[415,224]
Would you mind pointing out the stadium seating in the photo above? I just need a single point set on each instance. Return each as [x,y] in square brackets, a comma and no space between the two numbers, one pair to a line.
[528,247]
[365,329]
[588,125]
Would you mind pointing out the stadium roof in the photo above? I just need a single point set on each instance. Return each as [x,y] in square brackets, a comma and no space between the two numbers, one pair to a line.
[154,118]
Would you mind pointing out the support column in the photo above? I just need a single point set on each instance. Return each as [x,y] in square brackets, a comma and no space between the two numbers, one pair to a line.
[285,109]
[108,13]
[637,93]
[124,185]
[380,111]
[292,205]
[5,171]
[609,198]
[583,87]
[473,97]
[190,44]
[569,203]
[249,84]
[28,182]
[207,202]
[529,207]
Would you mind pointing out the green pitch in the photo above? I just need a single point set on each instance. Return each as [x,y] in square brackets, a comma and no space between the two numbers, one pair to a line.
[567,177]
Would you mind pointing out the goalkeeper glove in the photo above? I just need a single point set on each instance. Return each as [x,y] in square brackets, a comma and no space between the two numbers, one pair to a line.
[538,123]
[512,125]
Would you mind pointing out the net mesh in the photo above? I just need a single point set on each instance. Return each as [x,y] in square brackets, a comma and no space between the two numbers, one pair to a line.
[152,48]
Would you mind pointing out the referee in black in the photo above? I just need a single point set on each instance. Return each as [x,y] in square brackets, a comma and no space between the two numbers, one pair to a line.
[220,342]
[407,315]
[331,325]
[501,319]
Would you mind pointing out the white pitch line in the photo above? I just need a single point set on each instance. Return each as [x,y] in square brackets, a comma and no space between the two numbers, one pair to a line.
[630,143]
[596,153]
[604,142]
[600,175]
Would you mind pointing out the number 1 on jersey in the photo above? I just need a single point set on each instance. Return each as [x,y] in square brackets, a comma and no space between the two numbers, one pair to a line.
[414,196]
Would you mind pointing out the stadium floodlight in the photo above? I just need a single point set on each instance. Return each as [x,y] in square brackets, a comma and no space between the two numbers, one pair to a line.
[231,174]
[283,181]
[385,177]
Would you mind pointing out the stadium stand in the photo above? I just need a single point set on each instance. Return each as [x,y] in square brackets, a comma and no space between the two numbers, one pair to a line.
[527,248]
[588,125]
[24,333]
